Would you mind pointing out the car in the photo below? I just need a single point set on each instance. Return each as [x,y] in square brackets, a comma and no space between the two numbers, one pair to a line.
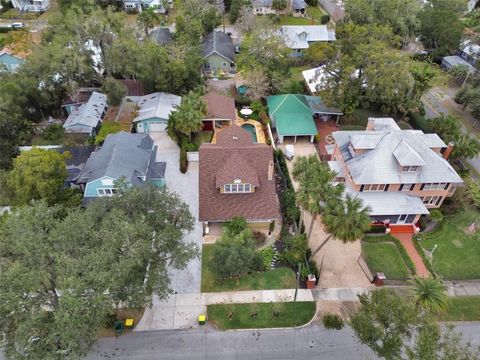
[237,49]
[17,25]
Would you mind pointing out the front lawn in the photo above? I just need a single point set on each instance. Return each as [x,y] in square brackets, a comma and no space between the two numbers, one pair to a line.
[385,257]
[462,308]
[315,12]
[457,254]
[281,278]
[293,20]
[260,315]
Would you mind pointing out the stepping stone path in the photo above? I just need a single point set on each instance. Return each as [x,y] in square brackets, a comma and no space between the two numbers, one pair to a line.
[276,254]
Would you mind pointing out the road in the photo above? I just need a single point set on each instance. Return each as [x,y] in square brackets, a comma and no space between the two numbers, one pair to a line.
[309,343]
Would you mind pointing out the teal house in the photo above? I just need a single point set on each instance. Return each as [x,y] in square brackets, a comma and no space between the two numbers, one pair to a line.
[295,115]
[123,156]
[153,111]
[9,63]
[218,52]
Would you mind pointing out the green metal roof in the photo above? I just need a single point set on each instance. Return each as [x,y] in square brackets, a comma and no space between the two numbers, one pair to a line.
[291,124]
[289,103]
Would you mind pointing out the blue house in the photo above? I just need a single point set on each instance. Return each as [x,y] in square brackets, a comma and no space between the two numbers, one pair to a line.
[130,157]
[9,63]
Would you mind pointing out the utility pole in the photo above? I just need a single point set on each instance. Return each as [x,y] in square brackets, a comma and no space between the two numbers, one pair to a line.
[298,281]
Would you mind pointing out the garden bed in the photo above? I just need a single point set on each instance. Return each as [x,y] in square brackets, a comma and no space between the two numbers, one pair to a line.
[279,278]
[457,252]
[261,315]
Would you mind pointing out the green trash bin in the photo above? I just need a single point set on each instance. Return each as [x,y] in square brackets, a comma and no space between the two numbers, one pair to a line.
[118,327]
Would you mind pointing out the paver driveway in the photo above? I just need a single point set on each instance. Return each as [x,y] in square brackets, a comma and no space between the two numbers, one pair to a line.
[182,308]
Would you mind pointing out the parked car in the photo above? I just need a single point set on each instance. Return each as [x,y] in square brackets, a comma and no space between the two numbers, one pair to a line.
[17,25]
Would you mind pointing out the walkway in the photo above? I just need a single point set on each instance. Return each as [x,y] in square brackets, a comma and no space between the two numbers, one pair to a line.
[463,288]
[407,242]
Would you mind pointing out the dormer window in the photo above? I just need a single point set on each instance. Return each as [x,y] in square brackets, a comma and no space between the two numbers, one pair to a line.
[409,168]
[237,188]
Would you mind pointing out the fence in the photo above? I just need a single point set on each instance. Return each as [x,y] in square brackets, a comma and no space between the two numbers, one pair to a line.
[335,11]
[363,265]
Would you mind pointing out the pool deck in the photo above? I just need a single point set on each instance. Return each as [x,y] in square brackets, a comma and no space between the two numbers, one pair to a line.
[239,121]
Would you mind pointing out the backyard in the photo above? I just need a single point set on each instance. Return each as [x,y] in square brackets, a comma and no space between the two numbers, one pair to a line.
[263,315]
[457,254]
[382,254]
[280,278]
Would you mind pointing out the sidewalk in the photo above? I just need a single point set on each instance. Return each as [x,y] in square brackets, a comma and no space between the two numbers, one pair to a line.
[463,288]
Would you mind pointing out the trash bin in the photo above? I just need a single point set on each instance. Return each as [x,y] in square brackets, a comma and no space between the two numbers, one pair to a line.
[118,327]
[129,322]
[311,280]
[379,279]
[202,319]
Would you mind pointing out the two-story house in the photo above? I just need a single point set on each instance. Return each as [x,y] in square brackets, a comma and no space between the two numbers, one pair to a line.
[123,156]
[237,179]
[399,174]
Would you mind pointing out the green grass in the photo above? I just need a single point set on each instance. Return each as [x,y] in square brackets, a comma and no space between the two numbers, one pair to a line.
[281,278]
[384,257]
[315,12]
[238,316]
[457,254]
[296,72]
[462,308]
[202,137]
[292,20]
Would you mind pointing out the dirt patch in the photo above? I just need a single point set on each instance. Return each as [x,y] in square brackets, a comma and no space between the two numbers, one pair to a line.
[344,309]
[457,243]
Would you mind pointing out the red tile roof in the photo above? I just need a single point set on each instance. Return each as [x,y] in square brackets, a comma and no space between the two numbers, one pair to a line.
[235,143]
[220,107]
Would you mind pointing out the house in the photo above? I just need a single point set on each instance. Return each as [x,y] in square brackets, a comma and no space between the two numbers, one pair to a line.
[299,37]
[86,118]
[469,51]
[79,97]
[159,6]
[262,7]
[221,111]
[294,115]
[315,78]
[298,7]
[9,62]
[132,6]
[123,156]
[450,61]
[218,54]
[31,5]
[399,174]
[237,179]
[153,111]
[162,36]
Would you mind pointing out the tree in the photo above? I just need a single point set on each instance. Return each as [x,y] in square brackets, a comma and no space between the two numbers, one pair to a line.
[147,19]
[319,53]
[235,9]
[233,255]
[315,186]
[63,274]
[473,191]
[459,72]
[38,174]
[400,15]
[441,27]
[345,219]
[429,294]
[115,90]
[449,129]
[279,5]
[396,329]
[258,84]
[188,116]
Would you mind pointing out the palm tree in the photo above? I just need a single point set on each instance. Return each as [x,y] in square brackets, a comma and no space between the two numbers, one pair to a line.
[430,294]
[188,116]
[315,186]
[345,219]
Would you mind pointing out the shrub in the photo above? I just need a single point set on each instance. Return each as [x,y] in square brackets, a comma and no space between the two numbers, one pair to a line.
[106,129]
[114,89]
[418,121]
[267,257]
[436,215]
[289,206]
[377,229]
[259,238]
[325,19]
[283,166]
[332,321]
[53,132]
[314,269]
[455,204]
[296,248]
[234,226]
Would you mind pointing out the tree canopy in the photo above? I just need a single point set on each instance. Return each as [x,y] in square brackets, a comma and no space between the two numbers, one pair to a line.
[63,274]
[187,117]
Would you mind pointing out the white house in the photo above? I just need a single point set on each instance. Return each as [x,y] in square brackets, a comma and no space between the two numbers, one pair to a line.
[31,5]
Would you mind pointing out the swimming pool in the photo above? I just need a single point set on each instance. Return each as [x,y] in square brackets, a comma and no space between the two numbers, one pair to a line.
[251,129]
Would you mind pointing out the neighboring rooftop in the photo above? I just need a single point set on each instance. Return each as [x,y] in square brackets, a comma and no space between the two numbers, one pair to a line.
[219,107]
[131,156]
[451,61]
[299,4]
[262,3]
[9,62]
[156,105]
[299,36]
[235,156]
[86,117]
[219,43]
[162,35]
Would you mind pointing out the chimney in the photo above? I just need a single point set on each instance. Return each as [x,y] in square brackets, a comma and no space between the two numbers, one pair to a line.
[448,150]
[270,170]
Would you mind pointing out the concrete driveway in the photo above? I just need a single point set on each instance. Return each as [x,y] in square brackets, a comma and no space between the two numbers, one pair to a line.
[182,308]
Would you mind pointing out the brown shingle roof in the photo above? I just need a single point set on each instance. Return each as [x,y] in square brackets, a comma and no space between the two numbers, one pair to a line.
[224,155]
[220,107]
[236,167]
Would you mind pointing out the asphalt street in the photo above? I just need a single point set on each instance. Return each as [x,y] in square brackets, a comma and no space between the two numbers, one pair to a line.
[308,343]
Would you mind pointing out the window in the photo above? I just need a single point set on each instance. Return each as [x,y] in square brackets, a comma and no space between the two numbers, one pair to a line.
[106,191]
[374,187]
[410,168]
[432,200]
[224,64]
[237,188]
[402,219]
[435,186]
[407,187]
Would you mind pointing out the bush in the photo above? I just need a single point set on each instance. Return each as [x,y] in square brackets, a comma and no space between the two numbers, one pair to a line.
[283,166]
[419,122]
[325,19]
[455,204]
[53,132]
[234,226]
[332,321]
[259,238]
[436,215]
[289,206]
[106,129]
[267,257]
[296,248]
[376,229]
[114,89]
[314,269]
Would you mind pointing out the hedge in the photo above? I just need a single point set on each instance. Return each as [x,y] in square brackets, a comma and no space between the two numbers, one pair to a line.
[283,166]
[401,249]
[421,252]
[419,121]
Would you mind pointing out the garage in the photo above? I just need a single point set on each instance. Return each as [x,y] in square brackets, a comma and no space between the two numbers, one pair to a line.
[157,126]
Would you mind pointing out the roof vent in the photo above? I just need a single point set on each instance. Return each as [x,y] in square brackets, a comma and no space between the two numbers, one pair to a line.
[235,137]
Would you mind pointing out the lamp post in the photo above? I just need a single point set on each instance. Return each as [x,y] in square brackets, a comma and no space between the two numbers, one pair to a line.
[298,281]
